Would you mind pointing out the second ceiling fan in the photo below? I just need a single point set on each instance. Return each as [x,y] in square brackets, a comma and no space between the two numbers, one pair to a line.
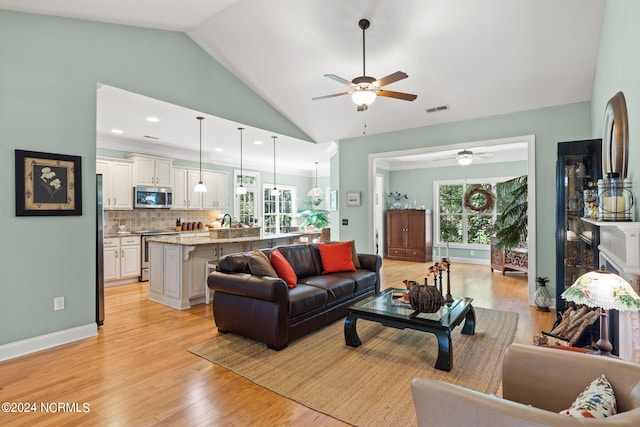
[365,89]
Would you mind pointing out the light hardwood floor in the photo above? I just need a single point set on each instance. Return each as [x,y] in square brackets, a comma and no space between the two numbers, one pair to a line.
[137,371]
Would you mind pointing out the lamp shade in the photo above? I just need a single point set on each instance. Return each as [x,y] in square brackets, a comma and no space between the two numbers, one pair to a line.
[603,289]
[363,97]
[241,190]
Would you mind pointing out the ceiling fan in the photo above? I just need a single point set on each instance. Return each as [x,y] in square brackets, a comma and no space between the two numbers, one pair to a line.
[465,157]
[365,89]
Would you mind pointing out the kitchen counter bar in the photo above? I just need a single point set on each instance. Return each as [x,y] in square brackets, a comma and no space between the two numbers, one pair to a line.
[178,264]
[187,240]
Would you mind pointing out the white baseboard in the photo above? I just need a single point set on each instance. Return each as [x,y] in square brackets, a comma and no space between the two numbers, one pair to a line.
[43,342]
[478,261]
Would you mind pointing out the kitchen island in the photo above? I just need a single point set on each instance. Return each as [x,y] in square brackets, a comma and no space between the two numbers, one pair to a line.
[177,265]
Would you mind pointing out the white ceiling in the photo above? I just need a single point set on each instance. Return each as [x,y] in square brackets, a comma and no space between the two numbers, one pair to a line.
[479,57]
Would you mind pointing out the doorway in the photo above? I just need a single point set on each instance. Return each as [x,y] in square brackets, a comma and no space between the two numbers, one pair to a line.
[377,163]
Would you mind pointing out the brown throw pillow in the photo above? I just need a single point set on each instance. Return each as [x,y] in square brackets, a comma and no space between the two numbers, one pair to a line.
[260,265]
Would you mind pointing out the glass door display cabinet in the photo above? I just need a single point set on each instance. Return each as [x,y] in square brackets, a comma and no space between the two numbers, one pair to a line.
[579,166]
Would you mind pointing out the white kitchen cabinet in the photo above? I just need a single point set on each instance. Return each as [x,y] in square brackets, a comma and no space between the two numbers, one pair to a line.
[117,187]
[111,256]
[185,180]
[180,182]
[130,256]
[121,260]
[151,171]
[217,195]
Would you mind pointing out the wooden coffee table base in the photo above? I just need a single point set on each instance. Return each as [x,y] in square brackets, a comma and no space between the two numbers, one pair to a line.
[442,333]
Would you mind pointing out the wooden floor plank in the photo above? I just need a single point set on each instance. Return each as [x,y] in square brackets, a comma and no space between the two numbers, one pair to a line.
[137,371]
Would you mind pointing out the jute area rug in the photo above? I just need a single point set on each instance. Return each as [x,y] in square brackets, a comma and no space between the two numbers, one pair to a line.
[368,385]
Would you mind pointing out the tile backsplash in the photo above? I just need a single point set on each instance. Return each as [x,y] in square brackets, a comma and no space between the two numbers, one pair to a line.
[155,219]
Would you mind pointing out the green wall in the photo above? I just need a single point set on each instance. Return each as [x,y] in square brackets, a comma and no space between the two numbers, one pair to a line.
[549,125]
[618,69]
[418,183]
[49,69]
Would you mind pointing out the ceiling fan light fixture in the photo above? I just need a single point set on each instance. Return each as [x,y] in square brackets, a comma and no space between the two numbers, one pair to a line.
[363,97]
[465,157]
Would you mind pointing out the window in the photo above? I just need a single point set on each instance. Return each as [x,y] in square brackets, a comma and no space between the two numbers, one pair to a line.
[278,210]
[456,224]
[246,205]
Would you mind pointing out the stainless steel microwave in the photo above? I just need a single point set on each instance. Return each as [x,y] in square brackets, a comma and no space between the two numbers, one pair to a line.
[152,197]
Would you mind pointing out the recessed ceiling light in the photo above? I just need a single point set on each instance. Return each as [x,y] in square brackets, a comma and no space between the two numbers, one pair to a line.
[153,119]
[258,142]
[217,149]
[118,131]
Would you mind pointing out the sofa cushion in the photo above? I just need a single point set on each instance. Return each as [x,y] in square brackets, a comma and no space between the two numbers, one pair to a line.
[283,268]
[335,286]
[260,265]
[596,401]
[336,257]
[304,262]
[363,279]
[305,298]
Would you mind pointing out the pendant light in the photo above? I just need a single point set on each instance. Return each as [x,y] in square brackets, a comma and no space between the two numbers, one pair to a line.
[274,190]
[241,190]
[200,187]
[316,192]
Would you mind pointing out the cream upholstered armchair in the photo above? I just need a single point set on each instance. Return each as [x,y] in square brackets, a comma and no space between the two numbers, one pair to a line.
[537,383]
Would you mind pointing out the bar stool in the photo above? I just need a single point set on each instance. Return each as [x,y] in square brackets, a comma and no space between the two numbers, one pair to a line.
[209,267]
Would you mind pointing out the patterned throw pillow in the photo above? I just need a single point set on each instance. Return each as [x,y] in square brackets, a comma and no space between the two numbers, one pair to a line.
[596,401]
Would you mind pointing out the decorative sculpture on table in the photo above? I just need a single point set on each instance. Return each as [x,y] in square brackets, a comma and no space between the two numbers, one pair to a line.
[425,298]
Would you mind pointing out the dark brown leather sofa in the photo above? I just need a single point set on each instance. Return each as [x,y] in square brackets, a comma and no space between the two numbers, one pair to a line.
[267,310]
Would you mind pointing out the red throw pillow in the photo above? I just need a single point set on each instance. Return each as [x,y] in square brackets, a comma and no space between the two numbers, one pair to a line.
[283,268]
[336,257]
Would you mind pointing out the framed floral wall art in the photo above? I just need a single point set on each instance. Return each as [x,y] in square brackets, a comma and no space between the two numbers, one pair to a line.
[48,184]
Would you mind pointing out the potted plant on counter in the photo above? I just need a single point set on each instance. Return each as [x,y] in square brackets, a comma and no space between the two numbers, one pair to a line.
[312,217]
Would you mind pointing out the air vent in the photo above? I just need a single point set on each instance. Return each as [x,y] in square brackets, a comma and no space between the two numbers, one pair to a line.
[150,137]
[436,109]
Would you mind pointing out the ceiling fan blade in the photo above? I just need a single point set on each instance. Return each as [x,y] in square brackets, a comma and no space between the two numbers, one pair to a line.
[397,95]
[398,75]
[339,79]
[330,96]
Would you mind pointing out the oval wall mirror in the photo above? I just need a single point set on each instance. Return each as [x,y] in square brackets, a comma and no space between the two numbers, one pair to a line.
[615,141]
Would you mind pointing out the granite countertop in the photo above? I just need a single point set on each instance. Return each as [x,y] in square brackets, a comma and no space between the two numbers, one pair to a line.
[196,241]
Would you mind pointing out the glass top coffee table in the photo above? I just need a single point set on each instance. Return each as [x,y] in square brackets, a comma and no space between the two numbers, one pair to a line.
[389,309]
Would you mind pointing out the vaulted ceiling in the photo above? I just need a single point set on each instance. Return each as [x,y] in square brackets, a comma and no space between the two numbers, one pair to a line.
[478,57]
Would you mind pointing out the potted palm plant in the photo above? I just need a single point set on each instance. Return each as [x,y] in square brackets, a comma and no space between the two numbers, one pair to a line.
[510,228]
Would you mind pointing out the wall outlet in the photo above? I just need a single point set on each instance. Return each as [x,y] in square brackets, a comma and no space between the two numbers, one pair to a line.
[472,253]
[58,303]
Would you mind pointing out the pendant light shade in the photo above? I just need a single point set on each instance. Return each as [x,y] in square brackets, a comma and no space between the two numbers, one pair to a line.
[316,192]
[200,187]
[274,190]
[241,190]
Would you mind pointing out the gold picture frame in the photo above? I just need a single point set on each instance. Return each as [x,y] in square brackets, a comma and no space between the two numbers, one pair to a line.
[48,184]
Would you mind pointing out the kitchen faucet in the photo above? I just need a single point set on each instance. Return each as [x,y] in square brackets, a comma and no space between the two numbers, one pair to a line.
[224,218]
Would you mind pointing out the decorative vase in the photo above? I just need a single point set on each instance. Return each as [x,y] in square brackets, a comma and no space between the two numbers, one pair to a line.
[425,298]
[396,205]
[542,298]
